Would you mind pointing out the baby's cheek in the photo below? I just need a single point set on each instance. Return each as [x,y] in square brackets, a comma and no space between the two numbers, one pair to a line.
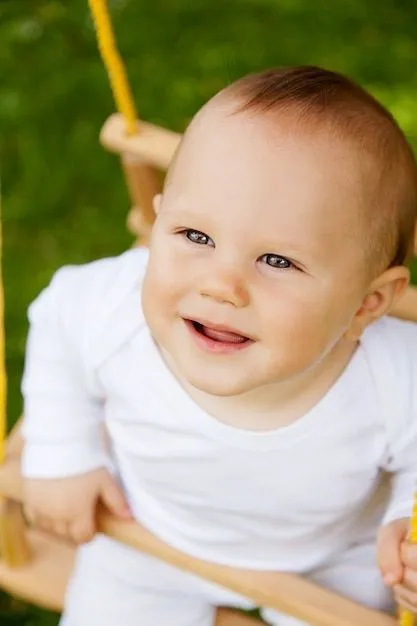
[288,319]
[296,336]
[156,286]
[153,303]
[161,306]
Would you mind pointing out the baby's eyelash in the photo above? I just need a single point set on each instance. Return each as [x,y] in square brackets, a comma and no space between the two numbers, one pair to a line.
[277,261]
[197,237]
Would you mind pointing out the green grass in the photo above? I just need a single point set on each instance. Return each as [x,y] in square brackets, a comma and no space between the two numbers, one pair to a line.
[63,197]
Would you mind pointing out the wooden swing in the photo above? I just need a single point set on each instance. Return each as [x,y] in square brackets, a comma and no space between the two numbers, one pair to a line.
[35,566]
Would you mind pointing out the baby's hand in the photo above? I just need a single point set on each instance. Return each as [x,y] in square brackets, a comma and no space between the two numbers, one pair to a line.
[67,506]
[398,562]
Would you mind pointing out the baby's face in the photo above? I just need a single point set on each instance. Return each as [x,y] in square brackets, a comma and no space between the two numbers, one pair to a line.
[256,268]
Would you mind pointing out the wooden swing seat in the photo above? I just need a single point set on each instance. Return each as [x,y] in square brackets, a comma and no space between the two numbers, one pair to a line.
[53,560]
[152,144]
[44,578]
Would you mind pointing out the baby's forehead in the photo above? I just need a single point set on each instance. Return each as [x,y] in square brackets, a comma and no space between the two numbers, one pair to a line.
[221,124]
[221,138]
[233,158]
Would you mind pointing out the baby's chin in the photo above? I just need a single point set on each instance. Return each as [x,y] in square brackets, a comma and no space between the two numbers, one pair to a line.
[218,383]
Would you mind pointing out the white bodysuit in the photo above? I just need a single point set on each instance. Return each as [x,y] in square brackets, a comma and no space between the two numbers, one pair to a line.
[306,498]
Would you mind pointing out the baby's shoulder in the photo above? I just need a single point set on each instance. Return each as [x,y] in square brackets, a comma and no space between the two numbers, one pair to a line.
[393,337]
[105,279]
[390,348]
[95,306]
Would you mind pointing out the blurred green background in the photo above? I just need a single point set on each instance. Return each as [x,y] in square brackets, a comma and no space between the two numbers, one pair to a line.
[63,198]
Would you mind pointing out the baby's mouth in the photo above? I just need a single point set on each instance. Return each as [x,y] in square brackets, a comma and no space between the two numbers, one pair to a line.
[221,334]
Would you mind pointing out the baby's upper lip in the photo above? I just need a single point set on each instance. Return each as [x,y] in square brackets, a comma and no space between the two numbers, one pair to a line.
[219,327]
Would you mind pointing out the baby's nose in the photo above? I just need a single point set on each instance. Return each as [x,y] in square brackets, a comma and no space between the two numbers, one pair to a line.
[225,285]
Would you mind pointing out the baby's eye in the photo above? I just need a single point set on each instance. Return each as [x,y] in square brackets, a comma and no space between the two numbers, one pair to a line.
[196,236]
[277,261]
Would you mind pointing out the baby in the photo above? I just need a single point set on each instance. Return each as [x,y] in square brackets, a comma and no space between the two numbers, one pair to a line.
[254,392]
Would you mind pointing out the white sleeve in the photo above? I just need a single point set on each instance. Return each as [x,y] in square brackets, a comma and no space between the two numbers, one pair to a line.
[399,405]
[63,416]
[403,466]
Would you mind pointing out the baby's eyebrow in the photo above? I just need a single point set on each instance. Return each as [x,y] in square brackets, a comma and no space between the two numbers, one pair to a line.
[181,211]
[279,243]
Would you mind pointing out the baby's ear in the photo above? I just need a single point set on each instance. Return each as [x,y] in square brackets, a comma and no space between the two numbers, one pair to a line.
[157,203]
[383,293]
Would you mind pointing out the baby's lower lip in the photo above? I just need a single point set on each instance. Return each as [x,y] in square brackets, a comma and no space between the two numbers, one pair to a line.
[214,345]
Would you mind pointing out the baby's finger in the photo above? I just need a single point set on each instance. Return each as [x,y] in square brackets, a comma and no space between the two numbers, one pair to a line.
[114,498]
[409,555]
[406,598]
[82,529]
[405,606]
[410,579]
[390,537]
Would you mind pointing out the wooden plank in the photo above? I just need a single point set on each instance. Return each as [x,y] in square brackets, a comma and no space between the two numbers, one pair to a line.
[143,183]
[232,618]
[14,547]
[153,145]
[282,592]
[43,581]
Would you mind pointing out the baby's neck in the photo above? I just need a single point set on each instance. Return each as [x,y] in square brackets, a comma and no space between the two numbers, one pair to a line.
[278,404]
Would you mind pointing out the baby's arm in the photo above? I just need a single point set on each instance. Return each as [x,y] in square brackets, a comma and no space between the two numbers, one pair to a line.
[64,459]
[398,560]
[402,466]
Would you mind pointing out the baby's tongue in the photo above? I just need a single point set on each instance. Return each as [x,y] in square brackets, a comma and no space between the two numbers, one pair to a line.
[223,335]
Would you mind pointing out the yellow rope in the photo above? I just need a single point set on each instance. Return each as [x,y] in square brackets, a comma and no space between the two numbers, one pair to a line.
[113,64]
[124,101]
[3,376]
[406,617]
